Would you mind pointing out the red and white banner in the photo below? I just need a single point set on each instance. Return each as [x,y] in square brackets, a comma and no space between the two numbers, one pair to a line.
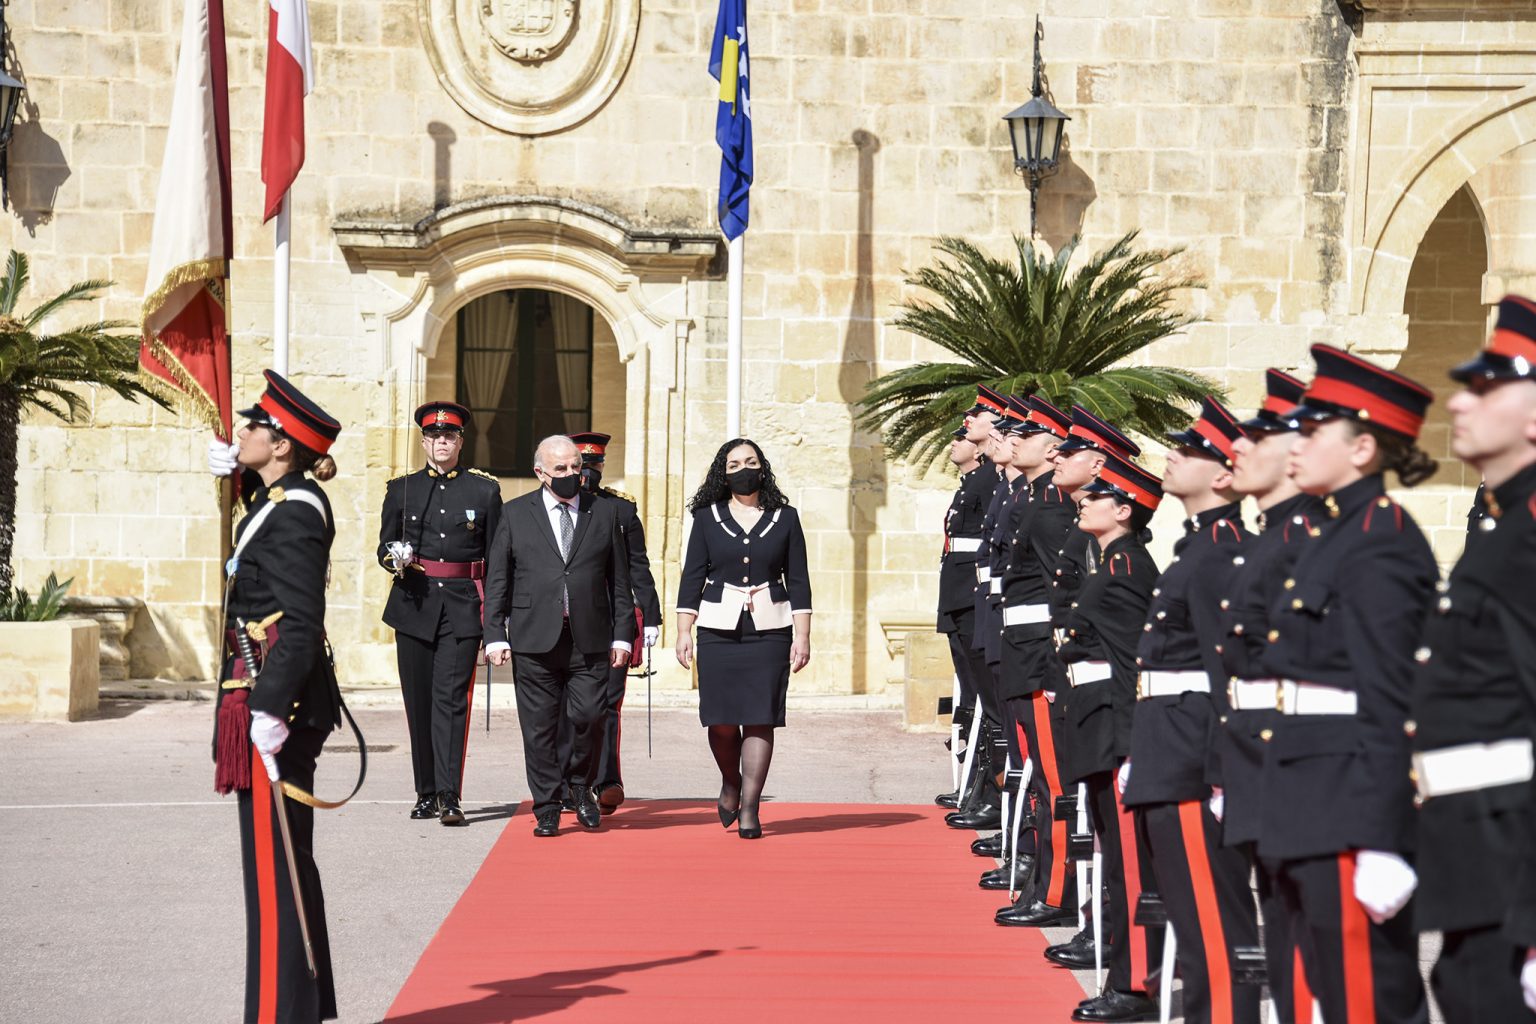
[290,77]
[185,337]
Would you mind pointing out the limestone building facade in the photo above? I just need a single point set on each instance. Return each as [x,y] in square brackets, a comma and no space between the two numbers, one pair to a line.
[1361,173]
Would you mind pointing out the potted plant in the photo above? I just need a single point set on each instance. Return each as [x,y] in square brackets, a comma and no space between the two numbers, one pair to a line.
[52,667]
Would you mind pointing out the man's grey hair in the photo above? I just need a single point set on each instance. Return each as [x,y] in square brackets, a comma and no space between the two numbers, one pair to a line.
[549,445]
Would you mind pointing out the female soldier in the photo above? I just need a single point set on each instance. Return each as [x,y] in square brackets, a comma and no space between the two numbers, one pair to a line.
[279,698]
[746,582]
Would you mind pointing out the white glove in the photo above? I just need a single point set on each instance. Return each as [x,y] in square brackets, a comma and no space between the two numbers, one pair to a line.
[402,551]
[1124,778]
[652,634]
[268,733]
[222,459]
[1218,802]
[1528,979]
[1383,883]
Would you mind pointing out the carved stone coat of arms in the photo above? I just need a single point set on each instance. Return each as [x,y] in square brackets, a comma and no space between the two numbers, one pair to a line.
[528,30]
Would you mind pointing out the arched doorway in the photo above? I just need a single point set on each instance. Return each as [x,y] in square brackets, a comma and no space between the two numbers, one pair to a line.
[530,362]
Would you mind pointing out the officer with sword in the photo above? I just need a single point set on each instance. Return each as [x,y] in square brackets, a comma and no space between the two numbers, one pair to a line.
[434,530]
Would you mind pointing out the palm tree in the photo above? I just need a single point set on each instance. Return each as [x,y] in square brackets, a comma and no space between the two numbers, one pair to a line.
[1035,326]
[45,369]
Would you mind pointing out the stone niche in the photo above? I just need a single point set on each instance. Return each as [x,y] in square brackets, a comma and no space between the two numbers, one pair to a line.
[116,617]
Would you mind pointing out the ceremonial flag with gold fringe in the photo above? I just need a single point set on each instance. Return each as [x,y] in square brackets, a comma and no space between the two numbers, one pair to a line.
[185,331]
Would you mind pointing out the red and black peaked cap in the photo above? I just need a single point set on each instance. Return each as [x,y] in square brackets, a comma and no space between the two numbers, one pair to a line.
[1348,386]
[987,400]
[1088,431]
[1511,350]
[1015,412]
[1282,394]
[592,445]
[1213,433]
[286,409]
[1045,418]
[1125,480]
[442,416]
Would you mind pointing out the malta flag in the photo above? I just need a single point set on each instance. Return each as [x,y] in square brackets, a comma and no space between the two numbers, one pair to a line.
[185,336]
[290,77]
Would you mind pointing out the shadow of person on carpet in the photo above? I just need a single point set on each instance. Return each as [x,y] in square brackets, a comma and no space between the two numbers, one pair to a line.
[515,999]
[651,814]
[837,822]
[491,812]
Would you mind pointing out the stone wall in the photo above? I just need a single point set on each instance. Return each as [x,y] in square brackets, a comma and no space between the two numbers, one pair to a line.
[1230,128]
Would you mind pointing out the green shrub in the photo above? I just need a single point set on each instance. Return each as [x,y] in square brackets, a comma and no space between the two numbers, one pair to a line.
[17,605]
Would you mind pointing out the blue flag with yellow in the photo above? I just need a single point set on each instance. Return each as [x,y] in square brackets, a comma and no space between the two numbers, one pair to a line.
[733,120]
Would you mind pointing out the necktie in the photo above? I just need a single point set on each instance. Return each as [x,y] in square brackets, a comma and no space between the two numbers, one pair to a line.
[567,531]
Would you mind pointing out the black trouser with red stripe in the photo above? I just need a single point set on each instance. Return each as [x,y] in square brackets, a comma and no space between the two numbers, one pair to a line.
[278,988]
[1477,978]
[1127,873]
[1041,741]
[1286,976]
[437,679]
[1360,972]
[1204,887]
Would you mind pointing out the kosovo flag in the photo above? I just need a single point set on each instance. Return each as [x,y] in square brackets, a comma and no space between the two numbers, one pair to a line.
[733,121]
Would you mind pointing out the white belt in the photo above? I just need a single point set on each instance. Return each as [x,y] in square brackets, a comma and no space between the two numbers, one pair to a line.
[1297,698]
[1026,614]
[1253,694]
[965,543]
[997,585]
[1473,766]
[1171,684]
[983,574]
[1084,672]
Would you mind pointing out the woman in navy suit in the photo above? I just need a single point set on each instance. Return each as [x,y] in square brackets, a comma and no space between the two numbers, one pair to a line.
[746,584]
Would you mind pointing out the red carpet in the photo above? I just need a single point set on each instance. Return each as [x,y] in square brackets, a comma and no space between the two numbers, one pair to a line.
[840,912]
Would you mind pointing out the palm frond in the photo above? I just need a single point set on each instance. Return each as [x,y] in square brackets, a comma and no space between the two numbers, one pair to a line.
[16,274]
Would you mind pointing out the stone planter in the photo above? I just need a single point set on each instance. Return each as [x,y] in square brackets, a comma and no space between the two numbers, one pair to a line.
[930,675]
[50,670]
[116,617]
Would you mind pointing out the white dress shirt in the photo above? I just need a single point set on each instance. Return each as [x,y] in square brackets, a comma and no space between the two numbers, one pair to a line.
[552,503]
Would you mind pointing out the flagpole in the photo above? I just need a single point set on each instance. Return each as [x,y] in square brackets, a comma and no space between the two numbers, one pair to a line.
[733,337]
[280,291]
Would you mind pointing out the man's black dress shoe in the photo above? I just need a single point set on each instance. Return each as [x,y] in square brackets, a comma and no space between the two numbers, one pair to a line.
[1007,878]
[1077,954]
[984,815]
[448,809]
[950,800]
[426,807]
[1036,914]
[586,809]
[1117,1006]
[547,823]
[988,846]
[609,797]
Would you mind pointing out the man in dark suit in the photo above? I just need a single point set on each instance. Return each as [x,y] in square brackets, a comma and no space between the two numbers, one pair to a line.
[433,533]
[558,605]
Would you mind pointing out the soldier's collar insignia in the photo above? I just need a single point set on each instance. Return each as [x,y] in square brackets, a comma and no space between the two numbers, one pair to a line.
[452,473]
[1263,522]
[1494,508]
[431,472]
[277,495]
[1332,506]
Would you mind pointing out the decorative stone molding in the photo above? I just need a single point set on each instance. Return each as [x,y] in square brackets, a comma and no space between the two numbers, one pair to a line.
[530,67]
[116,616]
[1460,8]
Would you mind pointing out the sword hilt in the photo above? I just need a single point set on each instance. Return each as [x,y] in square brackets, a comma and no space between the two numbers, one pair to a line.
[243,645]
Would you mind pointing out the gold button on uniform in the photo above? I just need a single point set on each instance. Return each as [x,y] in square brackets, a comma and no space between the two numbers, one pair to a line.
[1267,735]
[1411,727]
[1274,635]
[1290,584]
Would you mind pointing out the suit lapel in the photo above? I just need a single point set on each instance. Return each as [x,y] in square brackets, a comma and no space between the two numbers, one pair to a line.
[583,520]
[541,523]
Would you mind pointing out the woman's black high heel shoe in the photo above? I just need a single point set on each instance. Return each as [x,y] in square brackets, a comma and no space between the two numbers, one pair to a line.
[746,831]
[727,816]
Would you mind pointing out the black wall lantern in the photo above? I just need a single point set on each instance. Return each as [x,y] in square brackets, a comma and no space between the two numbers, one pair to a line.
[1036,129]
[11,89]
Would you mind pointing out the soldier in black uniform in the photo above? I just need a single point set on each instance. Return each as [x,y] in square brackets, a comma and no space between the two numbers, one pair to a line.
[1099,650]
[273,717]
[1474,699]
[610,778]
[1203,885]
[957,571]
[1261,563]
[1337,824]
[434,530]
[1030,669]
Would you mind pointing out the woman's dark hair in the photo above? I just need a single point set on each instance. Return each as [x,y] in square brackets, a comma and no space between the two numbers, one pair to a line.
[1141,518]
[715,489]
[306,459]
[1412,464]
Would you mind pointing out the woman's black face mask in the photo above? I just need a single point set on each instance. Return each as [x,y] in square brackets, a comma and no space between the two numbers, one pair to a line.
[745,481]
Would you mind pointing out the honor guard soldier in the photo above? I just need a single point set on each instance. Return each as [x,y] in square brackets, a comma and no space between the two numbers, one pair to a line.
[957,567]
[610,779]
[1030,668]
[1473,724]
[1103,628]
[1180,695]
[1260,565]
[434,530]
[1337,824]
[278,697]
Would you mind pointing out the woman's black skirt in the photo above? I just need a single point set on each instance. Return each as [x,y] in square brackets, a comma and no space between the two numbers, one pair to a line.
[743,674]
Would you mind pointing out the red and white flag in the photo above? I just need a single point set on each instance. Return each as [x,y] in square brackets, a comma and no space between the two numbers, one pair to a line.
[290,77]
[185,338]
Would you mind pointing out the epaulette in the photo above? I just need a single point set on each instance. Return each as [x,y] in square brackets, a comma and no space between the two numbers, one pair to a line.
[1216,531]
[1117,557]
[402,476]
[487,476]
[1383,505]
[1302,521]
[619,494]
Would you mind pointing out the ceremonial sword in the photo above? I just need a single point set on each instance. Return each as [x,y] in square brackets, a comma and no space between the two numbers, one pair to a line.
[243,641]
